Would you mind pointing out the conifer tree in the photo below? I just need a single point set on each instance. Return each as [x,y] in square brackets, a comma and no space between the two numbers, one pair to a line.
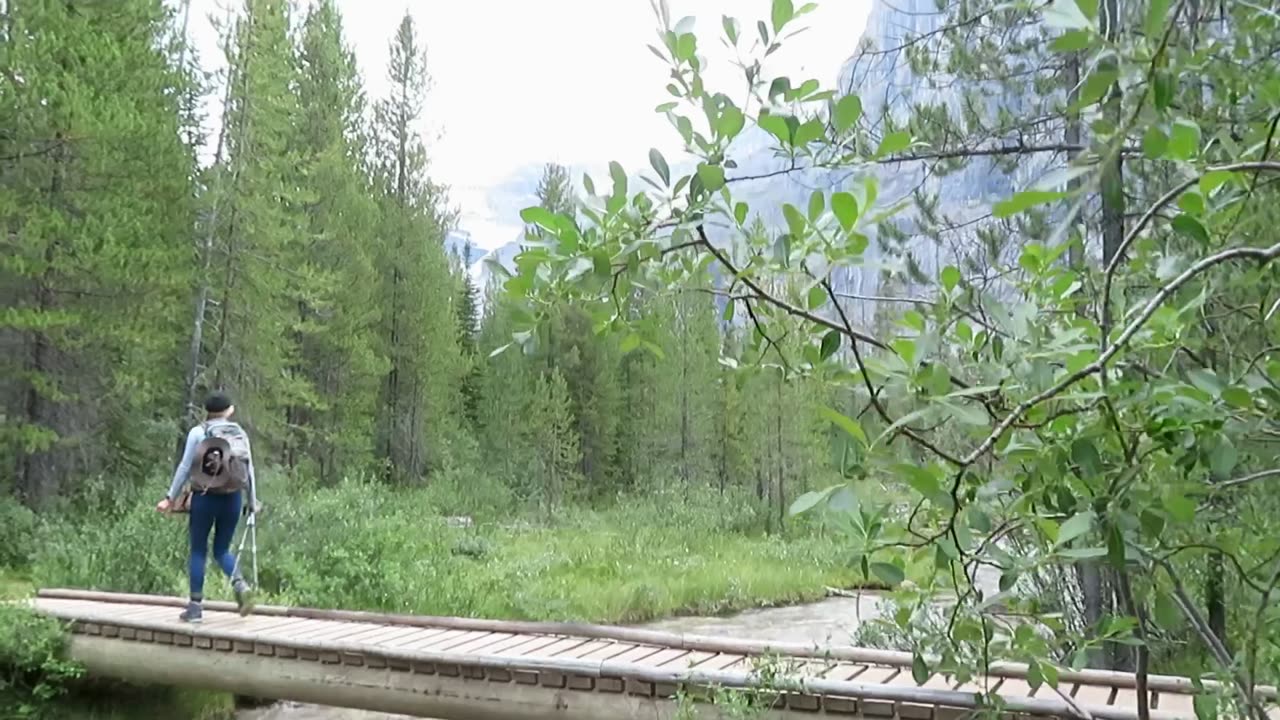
[420,398]
[96,161]
[337,313]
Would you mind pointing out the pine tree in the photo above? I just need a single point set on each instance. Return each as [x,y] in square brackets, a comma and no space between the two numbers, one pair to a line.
[337,312]
[251,270]
[421,399]
[95,215]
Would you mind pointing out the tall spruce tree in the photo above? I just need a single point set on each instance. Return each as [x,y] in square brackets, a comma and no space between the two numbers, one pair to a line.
[331,426]
[420,397]
[96,161]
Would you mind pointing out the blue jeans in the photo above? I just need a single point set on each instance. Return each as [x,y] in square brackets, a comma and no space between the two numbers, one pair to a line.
[218,513]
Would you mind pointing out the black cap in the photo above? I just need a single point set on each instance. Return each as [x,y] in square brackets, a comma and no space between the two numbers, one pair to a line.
[216,403]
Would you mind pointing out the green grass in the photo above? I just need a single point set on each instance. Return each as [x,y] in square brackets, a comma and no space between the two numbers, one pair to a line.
[117,701]
[362,546]
[14,585]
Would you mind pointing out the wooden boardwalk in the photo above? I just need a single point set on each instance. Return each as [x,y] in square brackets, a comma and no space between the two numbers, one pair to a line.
[464,669]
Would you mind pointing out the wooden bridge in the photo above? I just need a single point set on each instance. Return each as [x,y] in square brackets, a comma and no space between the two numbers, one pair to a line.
[469,669]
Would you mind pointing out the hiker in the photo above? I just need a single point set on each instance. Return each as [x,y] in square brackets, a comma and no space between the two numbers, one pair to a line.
[216,468]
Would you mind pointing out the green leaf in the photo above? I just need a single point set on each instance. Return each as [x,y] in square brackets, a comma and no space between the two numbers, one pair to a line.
[919,669]
[619,177]
[1072,41]
[1223,459]
[1214,180]
[795,221]
[740,212]
[808,132]
[845,207]
[1154,142]
[731,29]
[731,122]
[844,422]
[1066,15]
[1115,548]
[848,111]
[712,176]
[1180,508]
[686,47]
[1077,525]
[1157,12]
[817,203]
[817,296]
[1191,227]
[1206,706]
[894,142]
[1184,139]
[1097,85]
[921,479]
[1035,678]
[629,343]
[950,277]
[579,267]
[1025,200]
[659,165]
[776,125]
[1008,578]
[500,350]
[1162,84]
[1085,456]
[1083,553]
[888,573]
[810,500]
[830,344]
[1238,397]
[538,215]
[782,13]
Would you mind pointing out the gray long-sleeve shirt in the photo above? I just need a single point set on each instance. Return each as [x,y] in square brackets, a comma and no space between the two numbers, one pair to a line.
[194,438]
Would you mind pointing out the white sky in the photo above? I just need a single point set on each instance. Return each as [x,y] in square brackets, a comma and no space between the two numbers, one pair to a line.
[517,83]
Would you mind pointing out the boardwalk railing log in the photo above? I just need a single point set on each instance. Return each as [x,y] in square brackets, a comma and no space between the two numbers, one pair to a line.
[465,669]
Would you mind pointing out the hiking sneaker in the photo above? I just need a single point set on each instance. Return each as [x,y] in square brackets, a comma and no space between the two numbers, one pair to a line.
[194,613]
[244,597]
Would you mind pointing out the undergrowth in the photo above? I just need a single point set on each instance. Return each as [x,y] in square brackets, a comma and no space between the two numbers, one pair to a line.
[361,545]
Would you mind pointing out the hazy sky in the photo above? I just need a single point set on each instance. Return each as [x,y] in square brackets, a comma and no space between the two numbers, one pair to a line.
[517,83]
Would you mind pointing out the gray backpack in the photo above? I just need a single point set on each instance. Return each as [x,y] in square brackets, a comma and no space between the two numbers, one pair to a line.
[221,464]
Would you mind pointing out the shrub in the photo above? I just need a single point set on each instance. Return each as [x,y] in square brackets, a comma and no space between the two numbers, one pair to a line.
[33,668]
[17,533]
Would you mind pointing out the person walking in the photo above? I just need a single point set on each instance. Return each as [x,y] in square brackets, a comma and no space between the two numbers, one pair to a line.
[215,472]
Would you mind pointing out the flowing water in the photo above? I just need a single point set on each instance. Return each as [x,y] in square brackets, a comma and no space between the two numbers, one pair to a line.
[830,621]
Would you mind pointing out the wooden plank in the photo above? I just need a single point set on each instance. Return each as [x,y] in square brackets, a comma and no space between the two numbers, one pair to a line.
[362,638]
[638,653]
[444,644]
[845,672]
[508,642]
[608,653]
[583,651]
[410,635]
[721,661]
[532,643]
[689,660]
[387,632]
[662,657]
[1086,694]
[483,645]
[432,639]
[1126,698]
[880,675]
[1015,688]
[343,631]
[557,647]
[1176,703]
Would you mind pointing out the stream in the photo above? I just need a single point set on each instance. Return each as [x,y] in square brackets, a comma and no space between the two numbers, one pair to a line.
[828,621]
